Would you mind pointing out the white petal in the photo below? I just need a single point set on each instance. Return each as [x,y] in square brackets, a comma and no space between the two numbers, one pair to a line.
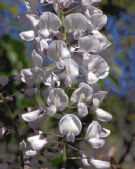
[49,21]
[77,21]
[36,59]
[58,50]
[58,98]
[98,20]
[27,35]
[91,78]
[37,142]
[51,110]
[93,131]
[89,44]
[98,98]
[100,164]
[96,143]
[89,2]
[82,109]
[72,70]
[70,124]
[104,133]
[34,19]
[32,116]
[103,115]
[30,153]
[84,93]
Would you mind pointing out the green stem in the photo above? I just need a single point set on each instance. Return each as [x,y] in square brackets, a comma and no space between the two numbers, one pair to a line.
[65,153]
[63,29]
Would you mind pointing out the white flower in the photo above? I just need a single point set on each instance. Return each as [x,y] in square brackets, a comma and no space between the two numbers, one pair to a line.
[77,24]
[95,68]
[58,50]
[47,24]
[94,134]
[103,115]
[57,100]
[50,79]
[80,96]
[33,115]
[83,94]
[37,142]
[96,17]
[70,126]
[99,164]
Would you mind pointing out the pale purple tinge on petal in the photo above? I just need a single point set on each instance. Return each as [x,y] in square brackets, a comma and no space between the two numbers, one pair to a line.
[98,20]
[82,109]
[95,68]
[103,115]
[93,131]
[33,115]
[37,60]
[104,43]
[96,143]
[30,75]
[75,23]
[104,133]
[89,44]
[30,92]
[88,3]
[85,160]
[99,164]
[51,110]
[98,98]
[3,80]
[27,35]
[71,68]
[58,50]
[70,126]
[33,18]
[58,98]
[49,23]
[37,142]
[83,93]
[50,79]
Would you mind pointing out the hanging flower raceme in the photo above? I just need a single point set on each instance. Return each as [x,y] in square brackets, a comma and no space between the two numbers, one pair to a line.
[81,96]
[72,44]
[70,126]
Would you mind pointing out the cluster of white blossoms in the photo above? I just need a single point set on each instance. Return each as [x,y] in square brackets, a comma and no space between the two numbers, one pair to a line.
[72,43]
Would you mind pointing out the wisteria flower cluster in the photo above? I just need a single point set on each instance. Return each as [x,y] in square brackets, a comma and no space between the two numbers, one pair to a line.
[67,63]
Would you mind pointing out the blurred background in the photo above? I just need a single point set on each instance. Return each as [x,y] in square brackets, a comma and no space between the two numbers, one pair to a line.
[120,29]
